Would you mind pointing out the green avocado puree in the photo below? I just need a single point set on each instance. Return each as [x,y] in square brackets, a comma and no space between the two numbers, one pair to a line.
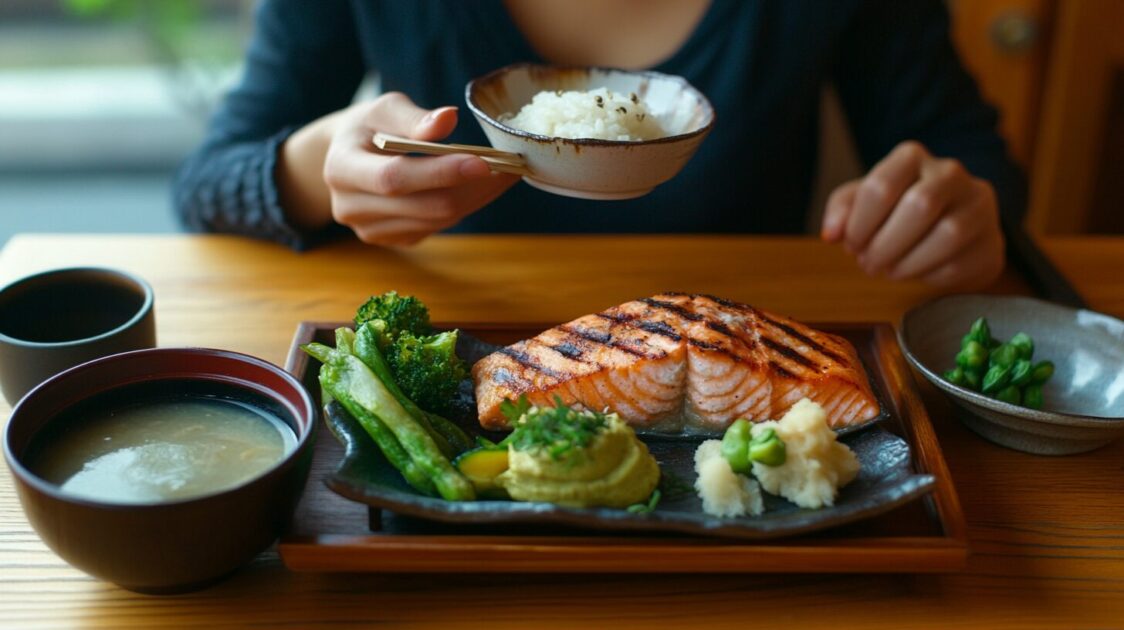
[613,469]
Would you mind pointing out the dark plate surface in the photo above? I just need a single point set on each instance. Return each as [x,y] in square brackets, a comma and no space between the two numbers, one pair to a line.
[886,480]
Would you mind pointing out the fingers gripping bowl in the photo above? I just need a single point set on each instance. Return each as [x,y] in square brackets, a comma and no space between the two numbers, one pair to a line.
[585,167]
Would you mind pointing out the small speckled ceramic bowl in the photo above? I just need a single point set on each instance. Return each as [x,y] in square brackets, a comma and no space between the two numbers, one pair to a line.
[588,168]
[1083,406]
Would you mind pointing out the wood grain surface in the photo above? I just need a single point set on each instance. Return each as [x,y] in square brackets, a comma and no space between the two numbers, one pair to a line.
[1047,534]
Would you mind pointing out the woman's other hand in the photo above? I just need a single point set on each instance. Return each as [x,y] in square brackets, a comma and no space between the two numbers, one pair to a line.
[918,216]
[386,199]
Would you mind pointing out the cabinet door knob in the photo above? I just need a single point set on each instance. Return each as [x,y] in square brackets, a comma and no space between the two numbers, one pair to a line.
[1014,32]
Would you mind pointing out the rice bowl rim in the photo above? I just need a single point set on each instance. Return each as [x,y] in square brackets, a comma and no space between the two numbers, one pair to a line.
[589,142]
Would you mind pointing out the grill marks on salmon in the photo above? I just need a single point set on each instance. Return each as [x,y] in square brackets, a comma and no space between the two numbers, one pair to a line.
[676,362]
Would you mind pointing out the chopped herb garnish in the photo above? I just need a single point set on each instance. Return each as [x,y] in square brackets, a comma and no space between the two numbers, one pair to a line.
[646,508]
[556,430]
[513,411]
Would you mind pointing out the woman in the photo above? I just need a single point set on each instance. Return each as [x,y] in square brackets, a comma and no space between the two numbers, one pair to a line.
[289,156]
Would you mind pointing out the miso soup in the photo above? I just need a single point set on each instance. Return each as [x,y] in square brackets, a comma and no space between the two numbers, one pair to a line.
[161,448]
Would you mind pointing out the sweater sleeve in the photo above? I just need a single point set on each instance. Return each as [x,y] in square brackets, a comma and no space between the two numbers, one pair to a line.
[899,78]
[303,62]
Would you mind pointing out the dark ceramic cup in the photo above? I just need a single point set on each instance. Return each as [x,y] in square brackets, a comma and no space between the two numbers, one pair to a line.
[171,546]
[57,319]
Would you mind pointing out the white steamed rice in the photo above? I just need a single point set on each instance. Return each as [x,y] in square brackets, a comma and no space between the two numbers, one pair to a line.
[600,114]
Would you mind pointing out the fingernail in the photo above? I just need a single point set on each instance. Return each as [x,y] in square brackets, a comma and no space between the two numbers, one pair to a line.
[829,226]
[474,167]
[432,115]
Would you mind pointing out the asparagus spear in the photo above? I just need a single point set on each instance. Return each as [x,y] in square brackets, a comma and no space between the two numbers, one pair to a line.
[376,428]
[444,432]
[349,374]
[389,445]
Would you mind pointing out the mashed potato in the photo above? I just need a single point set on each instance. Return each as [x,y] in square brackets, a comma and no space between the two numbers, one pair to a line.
[724,493]
[816,465]
[599,114]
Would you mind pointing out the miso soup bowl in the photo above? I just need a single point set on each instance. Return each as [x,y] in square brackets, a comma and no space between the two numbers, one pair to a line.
[591,168]
[173,546]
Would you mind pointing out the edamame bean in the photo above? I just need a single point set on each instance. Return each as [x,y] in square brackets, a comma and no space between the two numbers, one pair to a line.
[974,355]
[767,448]
[996,378]
[973,378]
[980,331]
[956,377]
[1009,394]
[1042,372]
[1004,356]
[735,446]
[1021,372]
[1024,344]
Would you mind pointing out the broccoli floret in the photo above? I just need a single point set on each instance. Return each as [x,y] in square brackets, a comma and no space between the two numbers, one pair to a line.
[400,312]
[427,368]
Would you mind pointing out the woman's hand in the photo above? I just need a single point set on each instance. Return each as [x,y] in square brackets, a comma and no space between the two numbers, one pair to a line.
[386,199]
[918,216]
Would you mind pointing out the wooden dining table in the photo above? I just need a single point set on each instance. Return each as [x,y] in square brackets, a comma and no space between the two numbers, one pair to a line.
[1046,534]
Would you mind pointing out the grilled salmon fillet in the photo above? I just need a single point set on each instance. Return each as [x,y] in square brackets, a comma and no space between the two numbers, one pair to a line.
[676,362]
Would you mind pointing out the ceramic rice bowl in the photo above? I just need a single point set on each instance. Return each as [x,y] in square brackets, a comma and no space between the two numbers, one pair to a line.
[591,168]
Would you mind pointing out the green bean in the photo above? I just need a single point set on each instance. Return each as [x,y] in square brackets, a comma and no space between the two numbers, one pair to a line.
[1032,396]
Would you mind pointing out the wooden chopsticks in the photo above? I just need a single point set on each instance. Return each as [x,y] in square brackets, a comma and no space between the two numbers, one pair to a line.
[499,161]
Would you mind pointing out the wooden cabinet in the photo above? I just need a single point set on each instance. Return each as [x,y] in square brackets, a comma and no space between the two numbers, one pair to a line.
[1004,44]
[1077,180]
[1055,69]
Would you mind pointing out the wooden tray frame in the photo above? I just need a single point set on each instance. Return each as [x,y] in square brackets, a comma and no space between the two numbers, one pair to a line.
[332,534]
